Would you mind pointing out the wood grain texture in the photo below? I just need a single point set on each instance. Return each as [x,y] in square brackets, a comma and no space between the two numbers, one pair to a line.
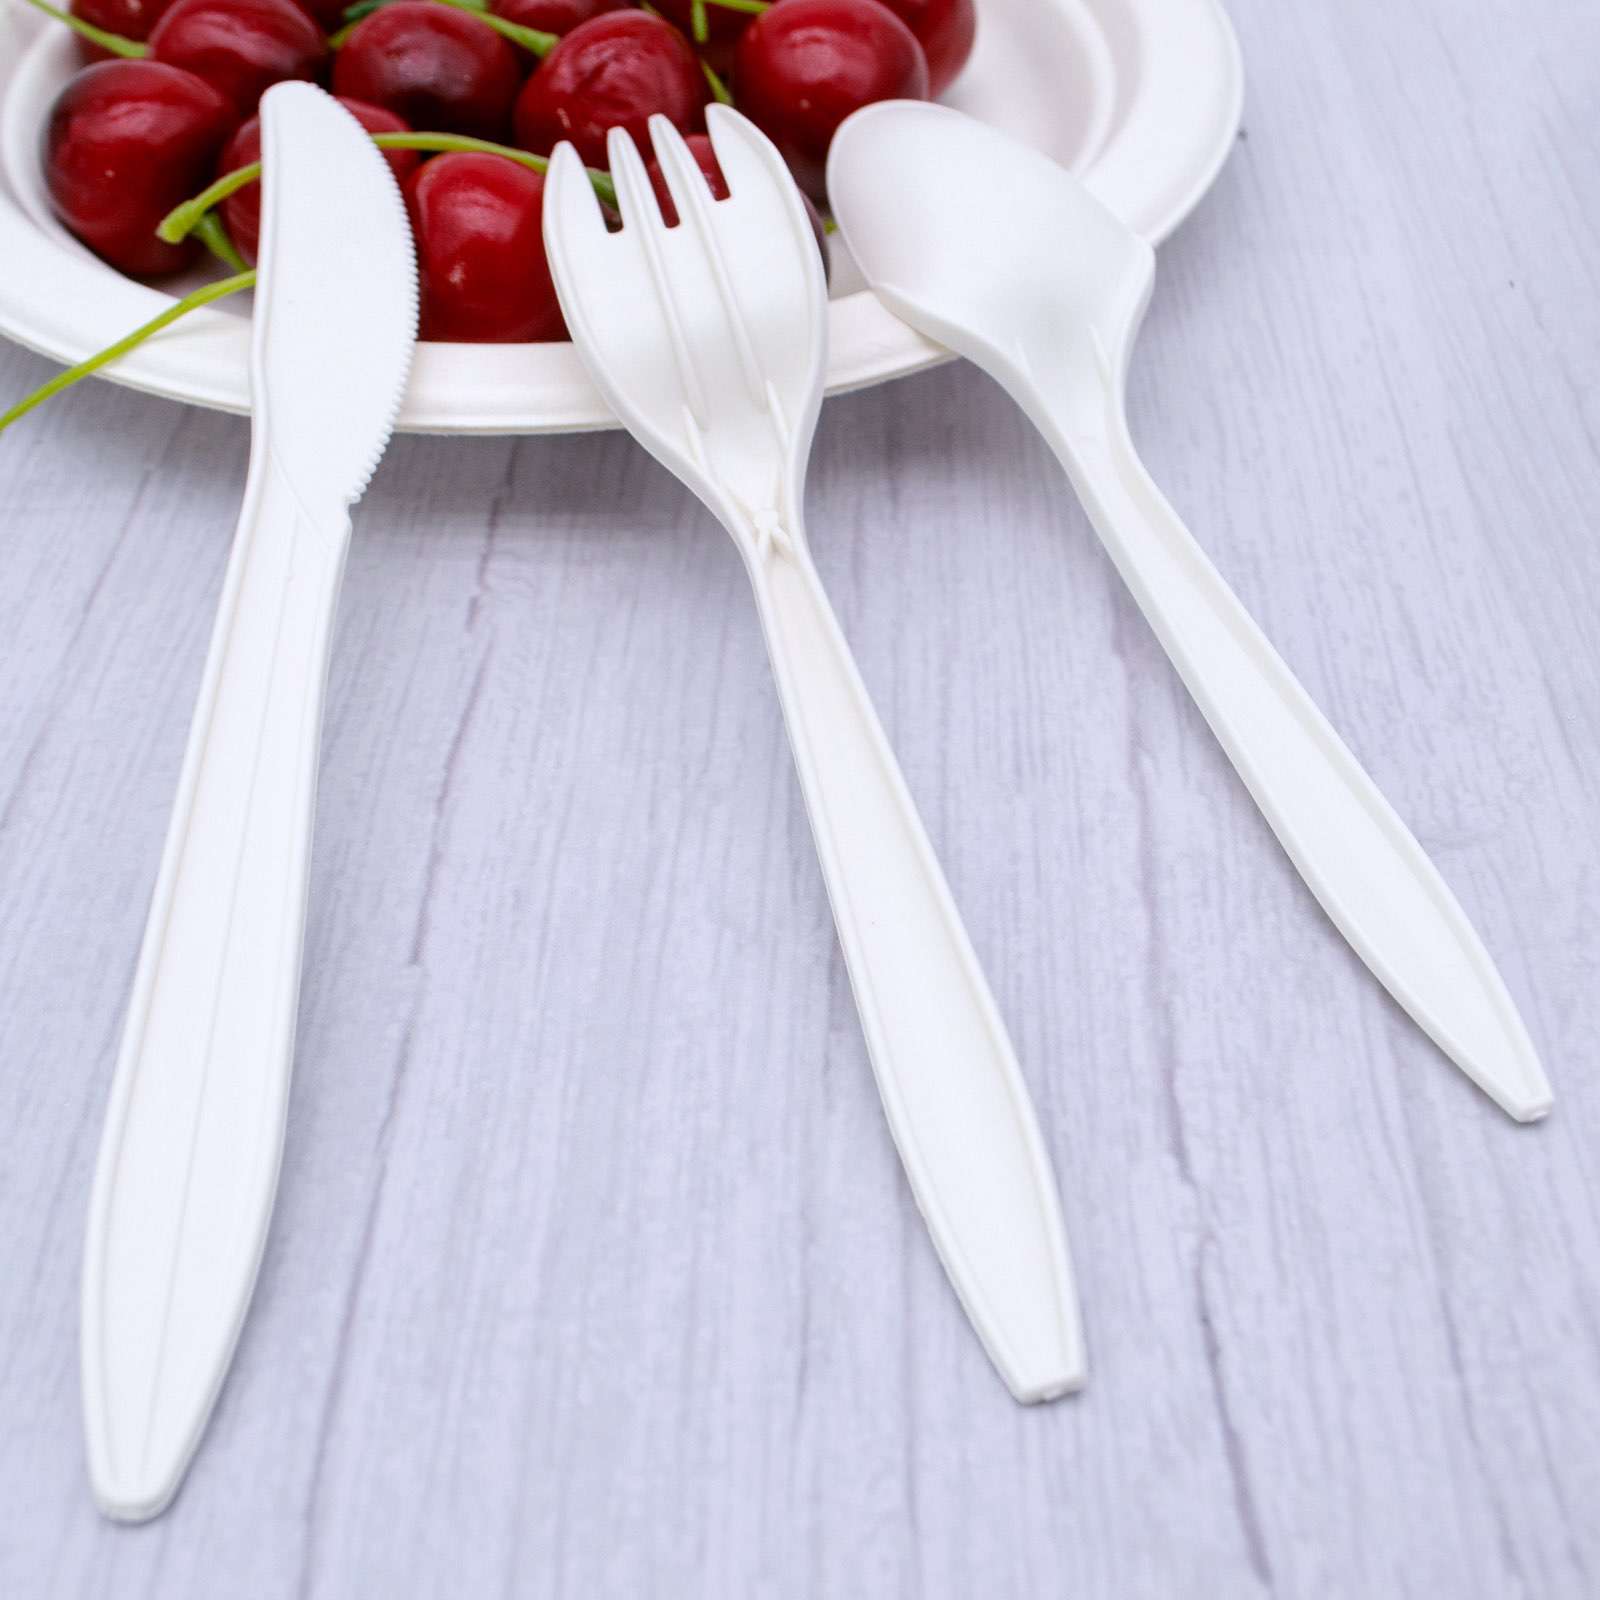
[593,1271]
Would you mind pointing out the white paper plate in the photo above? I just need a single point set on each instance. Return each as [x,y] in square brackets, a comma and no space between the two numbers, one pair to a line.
[1141,97]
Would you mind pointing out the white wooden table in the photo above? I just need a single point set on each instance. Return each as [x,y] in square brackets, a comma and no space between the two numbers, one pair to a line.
[593,1272]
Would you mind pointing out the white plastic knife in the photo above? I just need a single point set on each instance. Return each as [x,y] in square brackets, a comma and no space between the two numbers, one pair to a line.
[189,1158]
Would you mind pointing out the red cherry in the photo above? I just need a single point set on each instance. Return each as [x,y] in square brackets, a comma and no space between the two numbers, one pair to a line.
[132,19]
[478,222]
[241,211]
[946,30]
[804,66]
[241,47]
[614,71]
[706,159]
[125,142]
[440,69]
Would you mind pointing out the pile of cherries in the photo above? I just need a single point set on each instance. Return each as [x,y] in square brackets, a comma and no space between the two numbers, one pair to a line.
[167,104]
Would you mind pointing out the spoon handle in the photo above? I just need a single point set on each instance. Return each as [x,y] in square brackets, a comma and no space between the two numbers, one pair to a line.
[189,1157]
[955,1099]
[1359,859]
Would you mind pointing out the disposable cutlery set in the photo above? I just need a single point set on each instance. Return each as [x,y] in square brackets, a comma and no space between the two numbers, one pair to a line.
[708,340]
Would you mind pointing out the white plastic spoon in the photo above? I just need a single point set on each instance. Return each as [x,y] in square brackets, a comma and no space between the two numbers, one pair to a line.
[989,247]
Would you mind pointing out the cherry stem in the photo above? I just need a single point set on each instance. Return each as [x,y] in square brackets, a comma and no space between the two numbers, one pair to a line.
[203,296]
[699,26]
[534,39]
[114,42]
[531,39]
[719,90]
[365,8]
[210,231]
[184,219]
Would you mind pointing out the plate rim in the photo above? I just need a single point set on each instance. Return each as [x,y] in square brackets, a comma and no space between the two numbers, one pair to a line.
[543,389]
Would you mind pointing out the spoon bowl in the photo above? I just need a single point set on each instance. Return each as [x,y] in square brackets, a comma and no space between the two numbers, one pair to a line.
[1016,266]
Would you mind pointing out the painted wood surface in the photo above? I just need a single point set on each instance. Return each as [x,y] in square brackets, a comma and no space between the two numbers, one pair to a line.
[593,1271]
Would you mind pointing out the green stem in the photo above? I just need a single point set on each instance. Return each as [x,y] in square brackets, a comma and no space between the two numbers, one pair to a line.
[698,24]
[114,42]
[434,143]
[365,8]
[534,40]
[64,380]
[211,233]
[719,90]
[183,219]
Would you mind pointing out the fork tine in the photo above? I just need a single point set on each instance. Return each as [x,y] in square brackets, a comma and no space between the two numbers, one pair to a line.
[745,154]
[570,198]
[692,197]
[635,198]
[574,229]
[755,171]
[685,181]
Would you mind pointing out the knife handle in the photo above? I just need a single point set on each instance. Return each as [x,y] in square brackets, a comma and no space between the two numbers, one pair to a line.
[189,1156]
[1360,860]
[955,1099]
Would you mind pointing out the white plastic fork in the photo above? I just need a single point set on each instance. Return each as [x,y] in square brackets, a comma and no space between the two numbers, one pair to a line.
[708,340]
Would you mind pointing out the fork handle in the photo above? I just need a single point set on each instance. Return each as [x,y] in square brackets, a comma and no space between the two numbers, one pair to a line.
[956,1102]
[189,1157]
